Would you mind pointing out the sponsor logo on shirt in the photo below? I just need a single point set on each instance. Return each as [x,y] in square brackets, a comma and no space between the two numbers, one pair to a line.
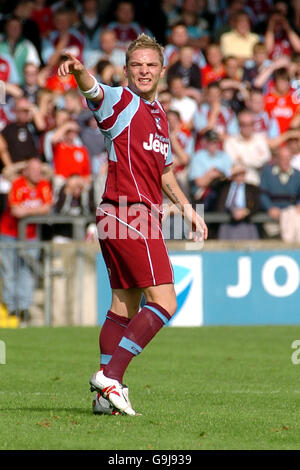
[158,144]
[283,112]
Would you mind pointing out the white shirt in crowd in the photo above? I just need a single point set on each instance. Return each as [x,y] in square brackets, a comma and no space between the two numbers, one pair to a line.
[253,153]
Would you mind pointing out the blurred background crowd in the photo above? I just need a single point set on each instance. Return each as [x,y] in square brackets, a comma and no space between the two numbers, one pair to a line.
[231,93]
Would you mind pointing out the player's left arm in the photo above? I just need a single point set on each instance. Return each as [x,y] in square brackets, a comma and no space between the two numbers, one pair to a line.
[173,191]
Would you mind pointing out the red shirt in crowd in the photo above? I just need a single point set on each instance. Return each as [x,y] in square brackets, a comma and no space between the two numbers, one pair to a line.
[24,194]
[44,19]
[71,160]
[282,108]
[282,47]
[209,75]
[60,84]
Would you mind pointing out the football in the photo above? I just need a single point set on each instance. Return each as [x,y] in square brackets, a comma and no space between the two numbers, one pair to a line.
[102,406]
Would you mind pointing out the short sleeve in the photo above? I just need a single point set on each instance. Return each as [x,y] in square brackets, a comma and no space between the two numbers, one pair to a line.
[115,110]
[46,193]
[105,109]
[169,159]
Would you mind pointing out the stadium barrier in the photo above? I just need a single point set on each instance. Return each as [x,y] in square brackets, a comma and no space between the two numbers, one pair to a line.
[79,223]
[230,283]
[64,282]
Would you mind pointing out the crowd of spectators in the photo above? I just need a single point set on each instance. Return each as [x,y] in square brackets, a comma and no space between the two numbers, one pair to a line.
[231,93]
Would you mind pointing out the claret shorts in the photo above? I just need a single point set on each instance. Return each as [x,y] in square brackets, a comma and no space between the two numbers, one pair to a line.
[133,246]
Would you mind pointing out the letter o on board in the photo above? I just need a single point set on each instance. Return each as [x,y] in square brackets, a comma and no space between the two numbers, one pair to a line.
[292,280]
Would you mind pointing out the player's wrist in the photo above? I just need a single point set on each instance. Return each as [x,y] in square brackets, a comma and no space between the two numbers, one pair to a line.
[92,92]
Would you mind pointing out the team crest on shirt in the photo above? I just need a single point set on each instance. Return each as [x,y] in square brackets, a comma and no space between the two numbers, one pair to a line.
[157,121]
[78,155]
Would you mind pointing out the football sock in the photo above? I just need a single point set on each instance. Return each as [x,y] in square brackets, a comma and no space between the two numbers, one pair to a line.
[142,328]
[110,335]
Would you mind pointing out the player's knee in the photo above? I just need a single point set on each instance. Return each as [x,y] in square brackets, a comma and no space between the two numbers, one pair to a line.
[169,304]
[172,306]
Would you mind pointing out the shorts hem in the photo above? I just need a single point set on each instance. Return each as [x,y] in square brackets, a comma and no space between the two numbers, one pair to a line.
[144,284]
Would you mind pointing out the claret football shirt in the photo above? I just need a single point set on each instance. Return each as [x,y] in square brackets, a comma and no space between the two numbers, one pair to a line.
[137,138]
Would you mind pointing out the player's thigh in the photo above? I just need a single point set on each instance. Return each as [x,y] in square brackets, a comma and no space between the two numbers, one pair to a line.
[163,295]
[126,302]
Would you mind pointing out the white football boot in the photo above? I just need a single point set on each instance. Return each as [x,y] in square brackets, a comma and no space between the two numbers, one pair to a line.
[113,390]
[102,406]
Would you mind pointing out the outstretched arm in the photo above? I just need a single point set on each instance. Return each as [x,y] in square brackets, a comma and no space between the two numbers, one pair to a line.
[85,81]
[172,190]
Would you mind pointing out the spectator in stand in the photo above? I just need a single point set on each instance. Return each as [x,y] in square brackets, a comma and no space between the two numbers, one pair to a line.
[225,17]
[106,73]
[293,145]
[62,123]
[259,11]
[170,10]
[108,50]
[94,141]
[294,71]
[58,85]
[43,16]
[125,27]
[70,157]
[31,84]
[252,68]
[63,37]
[208,166]
[186,69]
[241,200]
[30,29]
[280,189]
[248,148]
[18,138]
[197,26]
[280,103]
[90,23]
[263,123]
[165,99]
[30,194]
[280,38]
[233,70]
[182,147]
[207,11]
[234,91]
[266,125]
[75,198]
[185,105]
[8,70]
[73,104]
[45,111]
[214,70]
[212,115]
[178,38]
[240,41]
[9,86]
[20,50]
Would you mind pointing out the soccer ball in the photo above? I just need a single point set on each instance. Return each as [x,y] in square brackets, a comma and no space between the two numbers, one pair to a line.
[102,406]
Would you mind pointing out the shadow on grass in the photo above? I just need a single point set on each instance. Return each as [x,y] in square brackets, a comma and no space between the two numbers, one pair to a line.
[83,411]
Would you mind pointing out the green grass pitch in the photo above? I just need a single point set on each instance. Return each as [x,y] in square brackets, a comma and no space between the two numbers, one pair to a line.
[197,388]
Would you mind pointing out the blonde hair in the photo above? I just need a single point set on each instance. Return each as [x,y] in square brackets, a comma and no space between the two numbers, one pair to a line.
[145,42]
